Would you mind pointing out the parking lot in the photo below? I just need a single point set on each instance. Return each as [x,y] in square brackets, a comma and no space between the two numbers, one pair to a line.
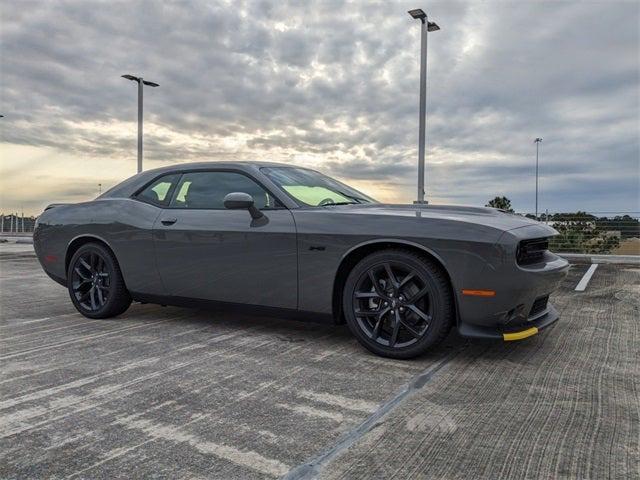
[166,392]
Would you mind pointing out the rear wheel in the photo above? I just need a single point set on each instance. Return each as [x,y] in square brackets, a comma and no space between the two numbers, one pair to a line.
[95,282]
[397,303]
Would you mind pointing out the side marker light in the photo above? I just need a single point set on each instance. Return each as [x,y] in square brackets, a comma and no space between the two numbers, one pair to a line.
[479,293]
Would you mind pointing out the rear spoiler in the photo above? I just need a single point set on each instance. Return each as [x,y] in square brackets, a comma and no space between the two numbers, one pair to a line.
[54,205]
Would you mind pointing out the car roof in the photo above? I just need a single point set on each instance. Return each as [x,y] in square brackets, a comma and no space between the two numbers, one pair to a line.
[229,164]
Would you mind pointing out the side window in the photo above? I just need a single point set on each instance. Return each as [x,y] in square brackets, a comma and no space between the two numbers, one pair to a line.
[159,192]
[208,189]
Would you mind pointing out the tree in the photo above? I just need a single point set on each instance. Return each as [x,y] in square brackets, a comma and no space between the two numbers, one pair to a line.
[503,203]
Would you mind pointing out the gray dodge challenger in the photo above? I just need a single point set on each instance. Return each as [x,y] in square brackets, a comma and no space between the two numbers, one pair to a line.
[276,238]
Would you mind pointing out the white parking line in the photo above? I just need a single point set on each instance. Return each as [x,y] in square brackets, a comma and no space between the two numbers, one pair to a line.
[313,467]
[584,281]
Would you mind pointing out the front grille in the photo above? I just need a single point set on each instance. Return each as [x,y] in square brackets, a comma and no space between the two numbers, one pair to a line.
[539,306]
[532,251]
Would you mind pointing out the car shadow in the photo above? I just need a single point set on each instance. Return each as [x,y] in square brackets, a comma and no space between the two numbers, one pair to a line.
[287,330]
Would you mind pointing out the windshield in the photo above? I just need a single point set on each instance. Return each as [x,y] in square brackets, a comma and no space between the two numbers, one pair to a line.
[314,189]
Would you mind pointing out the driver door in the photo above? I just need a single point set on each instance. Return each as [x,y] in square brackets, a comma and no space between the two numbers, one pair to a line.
[206,251]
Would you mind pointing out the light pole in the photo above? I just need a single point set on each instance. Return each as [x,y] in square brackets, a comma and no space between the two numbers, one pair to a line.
[426,26]
[141,83]
[537,141]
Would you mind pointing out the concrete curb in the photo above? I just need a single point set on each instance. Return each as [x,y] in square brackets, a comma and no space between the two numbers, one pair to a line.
[24,240]
[612,259]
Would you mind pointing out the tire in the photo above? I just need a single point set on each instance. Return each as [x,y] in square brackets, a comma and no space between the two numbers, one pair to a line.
[401,314]
[95,282]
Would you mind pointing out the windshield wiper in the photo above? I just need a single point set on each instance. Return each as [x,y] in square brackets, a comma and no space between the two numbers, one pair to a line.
[357,200]
[340,203]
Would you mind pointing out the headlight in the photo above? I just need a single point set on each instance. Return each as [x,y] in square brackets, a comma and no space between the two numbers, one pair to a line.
[532,251]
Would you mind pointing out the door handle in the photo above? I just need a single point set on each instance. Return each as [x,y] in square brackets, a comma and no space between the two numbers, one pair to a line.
[168,221]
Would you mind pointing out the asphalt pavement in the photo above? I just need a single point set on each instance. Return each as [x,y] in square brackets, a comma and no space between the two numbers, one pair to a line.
[166,392]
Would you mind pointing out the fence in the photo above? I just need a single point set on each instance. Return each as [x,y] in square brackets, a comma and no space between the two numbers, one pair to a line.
[14,223]
[594,232]
[580,232]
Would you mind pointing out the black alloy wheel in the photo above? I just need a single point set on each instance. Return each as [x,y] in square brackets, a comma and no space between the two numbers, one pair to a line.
[392,303]
[91,281]
[397,303]
[95,282]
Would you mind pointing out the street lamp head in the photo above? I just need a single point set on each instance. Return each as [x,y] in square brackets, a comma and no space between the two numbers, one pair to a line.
[537,140]
[418,14]
[432,27]
[139,79]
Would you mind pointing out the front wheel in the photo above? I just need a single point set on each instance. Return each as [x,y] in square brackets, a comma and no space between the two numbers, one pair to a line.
[95,282]
[398,304]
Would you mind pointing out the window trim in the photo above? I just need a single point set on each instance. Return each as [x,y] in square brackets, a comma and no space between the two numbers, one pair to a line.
[182,172]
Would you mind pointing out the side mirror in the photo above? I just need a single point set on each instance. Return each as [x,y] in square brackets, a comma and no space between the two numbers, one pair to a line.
[242,201]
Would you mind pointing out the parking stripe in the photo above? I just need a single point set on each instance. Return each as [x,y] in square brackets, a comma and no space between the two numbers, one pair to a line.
[584,281]
[312,468]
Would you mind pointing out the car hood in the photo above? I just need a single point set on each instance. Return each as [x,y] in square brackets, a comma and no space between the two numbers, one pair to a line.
[488,217]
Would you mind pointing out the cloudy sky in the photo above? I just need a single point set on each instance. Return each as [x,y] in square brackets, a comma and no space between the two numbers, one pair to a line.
[331,85]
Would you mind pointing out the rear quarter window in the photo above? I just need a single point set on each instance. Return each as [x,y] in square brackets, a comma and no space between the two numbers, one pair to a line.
[159,191]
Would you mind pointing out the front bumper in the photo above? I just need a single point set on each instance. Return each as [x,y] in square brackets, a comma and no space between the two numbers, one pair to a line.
[511,332]
[520,292]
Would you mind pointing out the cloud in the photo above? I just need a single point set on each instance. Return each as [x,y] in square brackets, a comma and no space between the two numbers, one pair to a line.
[333,85]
